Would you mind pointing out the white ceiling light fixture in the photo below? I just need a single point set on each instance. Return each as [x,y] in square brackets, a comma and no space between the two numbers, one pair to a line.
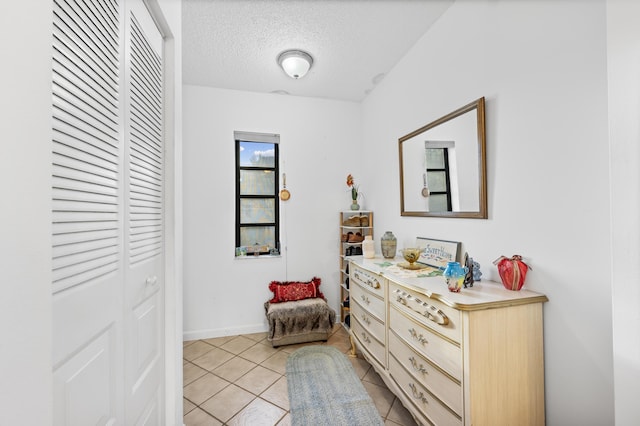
[296,63]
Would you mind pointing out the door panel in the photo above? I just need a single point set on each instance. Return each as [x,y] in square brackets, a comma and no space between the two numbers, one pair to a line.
[92,369]
[144,298]
[108,209]
[87,213]
[82,313]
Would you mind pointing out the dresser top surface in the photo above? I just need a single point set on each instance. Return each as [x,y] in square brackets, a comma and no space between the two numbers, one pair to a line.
[484,294]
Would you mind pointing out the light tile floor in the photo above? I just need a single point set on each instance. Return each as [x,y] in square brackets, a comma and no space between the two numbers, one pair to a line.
[240,380]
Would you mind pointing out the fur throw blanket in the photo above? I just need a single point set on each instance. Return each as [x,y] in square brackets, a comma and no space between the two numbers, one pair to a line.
[299,317]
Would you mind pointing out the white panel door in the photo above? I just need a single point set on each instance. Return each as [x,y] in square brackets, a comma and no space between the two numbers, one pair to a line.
[87,227]
[144,157]
[107,188]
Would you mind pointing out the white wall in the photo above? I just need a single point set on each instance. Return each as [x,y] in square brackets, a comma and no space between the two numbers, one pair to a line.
[169,15]
[25,225]
[624,109]
[25,234]
[542,68]
[320,143]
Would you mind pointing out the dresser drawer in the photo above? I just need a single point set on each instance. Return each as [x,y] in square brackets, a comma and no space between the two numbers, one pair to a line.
[369,301]
[368,280]
[426,403]
[367,341]
[438,383]
[369,322]
[436,315]
[443,353]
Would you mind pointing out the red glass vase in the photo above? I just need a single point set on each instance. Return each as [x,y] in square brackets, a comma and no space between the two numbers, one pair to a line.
[512,271]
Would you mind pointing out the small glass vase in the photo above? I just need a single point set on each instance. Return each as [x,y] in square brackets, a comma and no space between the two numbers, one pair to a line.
[454,275]
[388,245]
[355,205]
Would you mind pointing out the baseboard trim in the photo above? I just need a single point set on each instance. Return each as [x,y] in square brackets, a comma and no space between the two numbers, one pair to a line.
[222,332]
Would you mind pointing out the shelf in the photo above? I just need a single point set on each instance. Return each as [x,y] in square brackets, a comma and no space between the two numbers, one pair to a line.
[364,228]
[344,256]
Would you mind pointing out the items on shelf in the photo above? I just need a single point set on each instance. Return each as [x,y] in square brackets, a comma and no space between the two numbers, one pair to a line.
[356,234]
[356,221]
[351,237]
[353,251]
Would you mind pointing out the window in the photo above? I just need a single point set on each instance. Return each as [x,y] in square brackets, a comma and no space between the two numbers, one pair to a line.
[257,204]
[438,179]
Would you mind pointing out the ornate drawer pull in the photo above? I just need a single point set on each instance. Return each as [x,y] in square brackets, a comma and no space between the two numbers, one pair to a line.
[365,299]
[430,312]
[418,367]
[375,284]
[418,395]
[365,338]
[366,319]
[419,337]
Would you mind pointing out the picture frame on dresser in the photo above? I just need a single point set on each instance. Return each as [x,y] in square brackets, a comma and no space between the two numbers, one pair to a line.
[437,253]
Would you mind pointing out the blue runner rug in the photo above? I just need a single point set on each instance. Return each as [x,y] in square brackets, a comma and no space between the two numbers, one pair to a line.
[325,390]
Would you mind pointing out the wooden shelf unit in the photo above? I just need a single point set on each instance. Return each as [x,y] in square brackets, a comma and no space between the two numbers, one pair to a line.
[348,224]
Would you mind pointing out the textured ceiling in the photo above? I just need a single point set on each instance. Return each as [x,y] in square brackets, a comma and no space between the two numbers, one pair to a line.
[234,44]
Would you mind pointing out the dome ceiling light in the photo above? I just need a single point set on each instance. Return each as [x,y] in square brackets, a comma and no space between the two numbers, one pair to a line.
[296,63]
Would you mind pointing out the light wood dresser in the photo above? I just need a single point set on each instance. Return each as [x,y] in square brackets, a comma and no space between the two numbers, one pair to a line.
[468,358]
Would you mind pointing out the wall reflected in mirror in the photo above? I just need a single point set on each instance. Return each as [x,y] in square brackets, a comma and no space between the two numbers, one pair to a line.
[442,166]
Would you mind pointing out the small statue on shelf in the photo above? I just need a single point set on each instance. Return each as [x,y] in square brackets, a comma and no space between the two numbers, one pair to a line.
[477,273]
[470,276]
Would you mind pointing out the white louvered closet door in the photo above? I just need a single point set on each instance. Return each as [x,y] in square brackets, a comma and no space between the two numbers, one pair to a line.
[107,214]
[144,157]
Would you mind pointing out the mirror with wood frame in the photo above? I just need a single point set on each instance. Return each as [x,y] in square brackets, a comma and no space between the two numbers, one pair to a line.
[443,166]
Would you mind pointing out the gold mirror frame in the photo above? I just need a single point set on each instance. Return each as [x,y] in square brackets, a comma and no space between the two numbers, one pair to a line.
[481,213]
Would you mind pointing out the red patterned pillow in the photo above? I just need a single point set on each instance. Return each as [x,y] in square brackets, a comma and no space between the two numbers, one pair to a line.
[293,290]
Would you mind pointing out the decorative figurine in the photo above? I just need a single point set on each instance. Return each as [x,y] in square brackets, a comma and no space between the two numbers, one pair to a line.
[477,273]
[468,278]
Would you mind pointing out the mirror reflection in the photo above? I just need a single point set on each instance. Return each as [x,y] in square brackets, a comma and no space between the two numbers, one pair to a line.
[442,166]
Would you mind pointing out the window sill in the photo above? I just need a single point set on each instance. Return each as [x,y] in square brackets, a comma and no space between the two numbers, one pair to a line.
[262,256]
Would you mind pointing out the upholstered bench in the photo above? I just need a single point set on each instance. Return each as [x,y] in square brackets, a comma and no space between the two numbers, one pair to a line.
[307,319]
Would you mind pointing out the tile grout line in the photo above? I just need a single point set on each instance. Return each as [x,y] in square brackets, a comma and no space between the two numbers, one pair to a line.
[281,350]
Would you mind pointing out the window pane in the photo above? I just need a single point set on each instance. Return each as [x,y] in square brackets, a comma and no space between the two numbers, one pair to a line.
[263,235]
[257,182]
[437,181]
[261,210]
[437,203]
[257,154]
[435,158]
